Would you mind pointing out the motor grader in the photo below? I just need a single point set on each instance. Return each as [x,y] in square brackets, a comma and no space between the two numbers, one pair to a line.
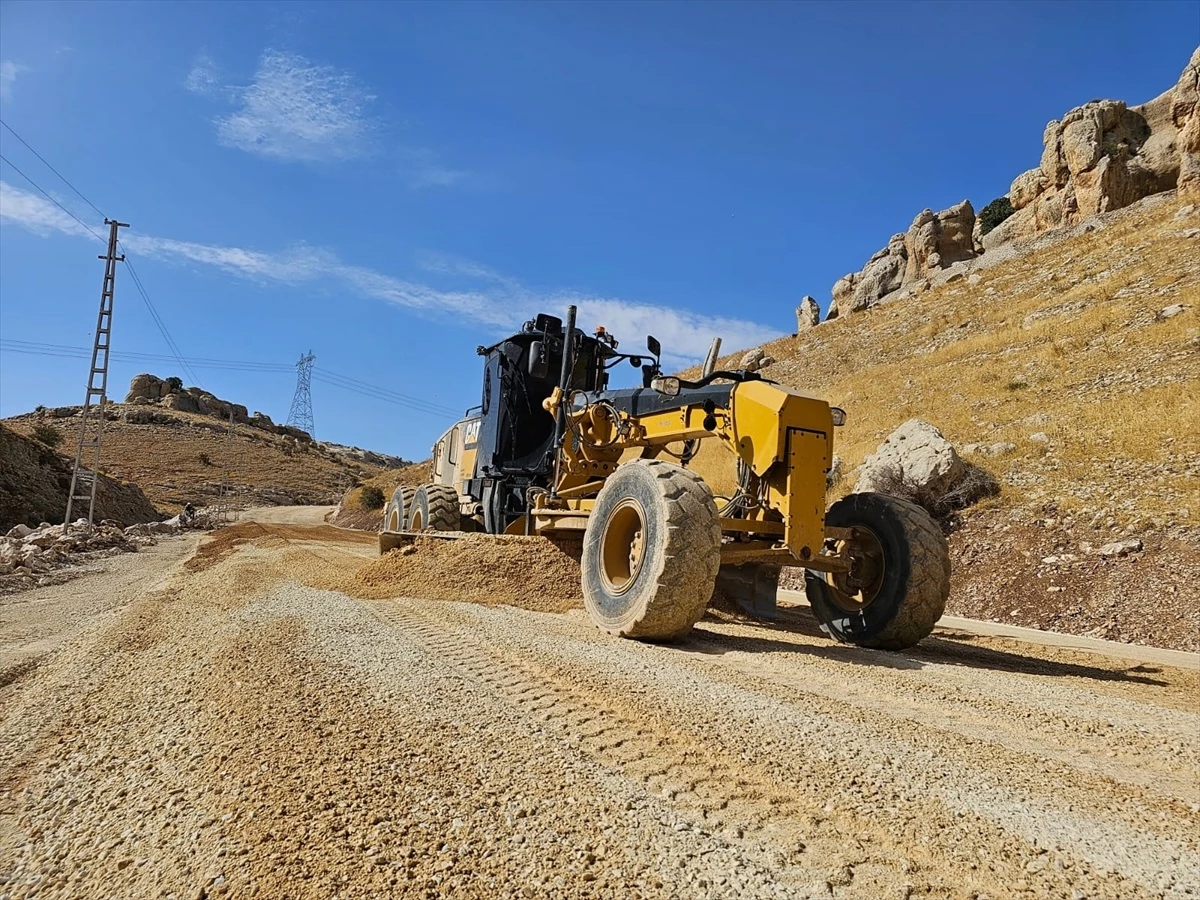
[673,489]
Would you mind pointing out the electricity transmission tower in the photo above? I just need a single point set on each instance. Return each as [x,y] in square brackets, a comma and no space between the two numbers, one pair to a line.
[301,414]
[83,479]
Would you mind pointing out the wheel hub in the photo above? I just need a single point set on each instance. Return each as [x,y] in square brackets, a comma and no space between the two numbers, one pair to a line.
[622,546]
[855,590]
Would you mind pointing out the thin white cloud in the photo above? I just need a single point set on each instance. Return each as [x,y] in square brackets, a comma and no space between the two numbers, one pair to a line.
[422,169]
[296,110]
[9,71]
[481,296]
[36,214]
[203,77]
[293,110]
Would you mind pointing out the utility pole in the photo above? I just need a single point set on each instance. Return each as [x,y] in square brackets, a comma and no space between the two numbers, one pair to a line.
[225,488]
[83,480]
[301,414]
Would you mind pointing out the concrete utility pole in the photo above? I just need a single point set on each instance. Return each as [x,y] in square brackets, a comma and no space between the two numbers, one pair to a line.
[301,414]
[83,480]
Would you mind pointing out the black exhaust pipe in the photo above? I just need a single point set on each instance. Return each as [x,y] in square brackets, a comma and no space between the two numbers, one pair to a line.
[564,381]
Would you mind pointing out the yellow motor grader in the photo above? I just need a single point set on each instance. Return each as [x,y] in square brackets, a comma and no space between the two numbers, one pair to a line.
[675,488]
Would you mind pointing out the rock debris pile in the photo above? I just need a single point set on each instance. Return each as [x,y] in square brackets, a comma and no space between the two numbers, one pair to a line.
[27,553]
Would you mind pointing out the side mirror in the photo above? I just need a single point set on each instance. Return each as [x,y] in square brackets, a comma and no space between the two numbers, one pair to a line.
[654,346]
[545,324]
[635,361]
[537,360]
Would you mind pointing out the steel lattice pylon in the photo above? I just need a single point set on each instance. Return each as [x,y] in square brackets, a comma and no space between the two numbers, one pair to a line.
[301,414]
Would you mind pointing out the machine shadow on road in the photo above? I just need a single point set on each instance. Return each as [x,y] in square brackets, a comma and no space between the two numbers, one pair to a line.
[939,650]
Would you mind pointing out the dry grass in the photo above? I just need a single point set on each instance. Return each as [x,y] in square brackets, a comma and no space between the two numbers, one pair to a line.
[1062,341]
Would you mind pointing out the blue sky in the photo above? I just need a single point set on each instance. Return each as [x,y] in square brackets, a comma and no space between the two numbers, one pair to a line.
[391,185]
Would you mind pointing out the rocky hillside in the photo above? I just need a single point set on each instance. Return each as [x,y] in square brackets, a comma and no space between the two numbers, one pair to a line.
[178,446]
[35,480]
[1098,158]
[1066,365]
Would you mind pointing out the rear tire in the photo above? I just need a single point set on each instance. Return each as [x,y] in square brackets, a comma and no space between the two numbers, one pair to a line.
[651,551]
[395,517]
[434,508]
[902,577]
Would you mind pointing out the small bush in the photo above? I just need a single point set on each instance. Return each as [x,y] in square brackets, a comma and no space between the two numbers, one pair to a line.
[370,498]
[174,385]
[975,484]
[47,434]
[994,213]
[205,459]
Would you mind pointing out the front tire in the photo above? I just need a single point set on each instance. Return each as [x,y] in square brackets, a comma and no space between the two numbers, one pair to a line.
[434,508]
[898,588]
[395,517]
[651,551]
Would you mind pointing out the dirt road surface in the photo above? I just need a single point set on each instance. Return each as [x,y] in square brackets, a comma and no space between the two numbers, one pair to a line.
[209,719]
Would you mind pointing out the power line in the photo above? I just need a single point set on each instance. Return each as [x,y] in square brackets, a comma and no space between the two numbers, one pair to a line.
[78,192]
[159,323]
[42,349]
[416,405]
[45,194]
[332,378]
[345,381]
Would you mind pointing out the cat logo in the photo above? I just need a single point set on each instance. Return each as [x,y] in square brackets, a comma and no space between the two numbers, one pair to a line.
[471,433]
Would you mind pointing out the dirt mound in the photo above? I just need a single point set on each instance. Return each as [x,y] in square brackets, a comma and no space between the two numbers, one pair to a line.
[530,572]
[226,541]
[34,481]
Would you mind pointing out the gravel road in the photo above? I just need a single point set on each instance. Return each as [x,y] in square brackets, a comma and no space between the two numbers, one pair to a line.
[224,728]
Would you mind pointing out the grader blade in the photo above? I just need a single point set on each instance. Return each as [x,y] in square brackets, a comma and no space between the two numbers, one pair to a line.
[393,540]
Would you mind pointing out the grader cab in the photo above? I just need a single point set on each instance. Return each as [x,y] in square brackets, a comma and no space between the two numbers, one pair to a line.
[674,488]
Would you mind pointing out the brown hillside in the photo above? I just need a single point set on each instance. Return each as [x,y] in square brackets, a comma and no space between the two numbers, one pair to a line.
[167,459]
[351,513]
[34,481]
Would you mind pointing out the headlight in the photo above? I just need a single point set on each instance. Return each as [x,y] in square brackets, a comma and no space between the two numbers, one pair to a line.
[839,415]
[666,384]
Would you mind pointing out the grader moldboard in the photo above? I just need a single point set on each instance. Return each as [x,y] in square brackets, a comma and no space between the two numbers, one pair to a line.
[675,487]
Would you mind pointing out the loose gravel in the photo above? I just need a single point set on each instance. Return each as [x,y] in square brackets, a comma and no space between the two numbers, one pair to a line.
[234,728]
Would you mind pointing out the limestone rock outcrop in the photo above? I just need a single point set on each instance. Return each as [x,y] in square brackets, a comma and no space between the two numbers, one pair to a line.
[1185,117]
[938,240]
[1099,157]
[1105,155]
[170,394]
[933,242]
[808,314]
